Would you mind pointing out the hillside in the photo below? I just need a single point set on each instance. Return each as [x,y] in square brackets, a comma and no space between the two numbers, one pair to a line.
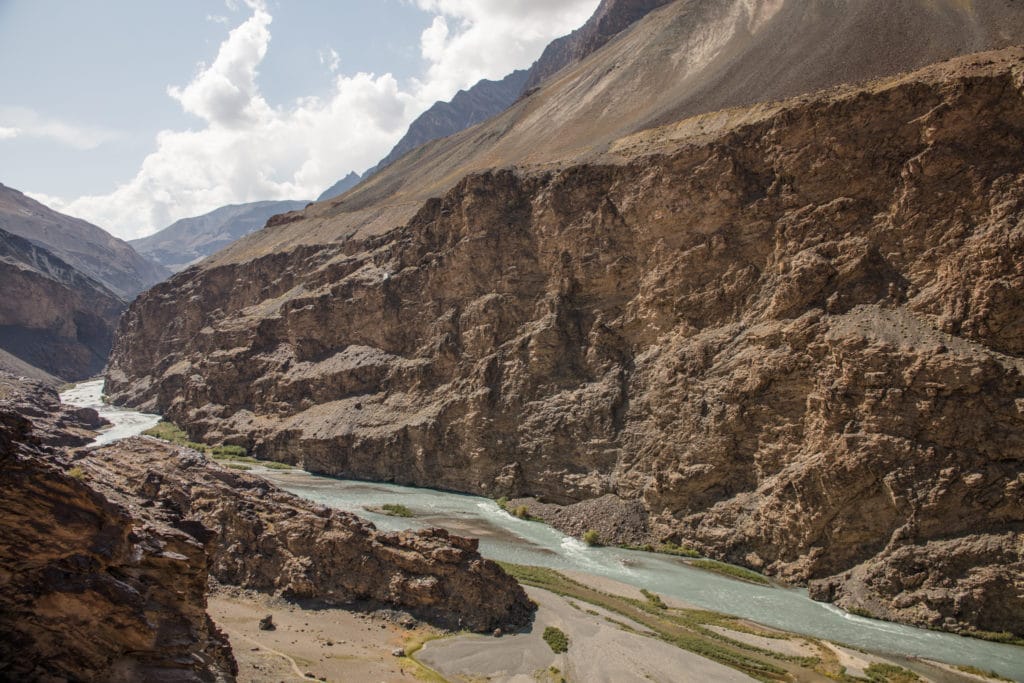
[786,329]
[726,53]
[53,318]
[83,246]
[192,239]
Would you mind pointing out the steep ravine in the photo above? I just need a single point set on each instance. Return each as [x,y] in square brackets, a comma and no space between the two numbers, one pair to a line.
[795,340]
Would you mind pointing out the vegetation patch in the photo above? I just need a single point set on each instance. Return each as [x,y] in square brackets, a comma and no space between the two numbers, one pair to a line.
[981,672]
[684,628]
[556,640]
[228,452]
[890,673]
[76,473]
[1002,637]
[731,570]
[592,538]
[172,433]
[395,510]
[654,599]
[238,466]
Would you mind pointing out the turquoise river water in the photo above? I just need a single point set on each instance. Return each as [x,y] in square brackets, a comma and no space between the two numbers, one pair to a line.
[507,538]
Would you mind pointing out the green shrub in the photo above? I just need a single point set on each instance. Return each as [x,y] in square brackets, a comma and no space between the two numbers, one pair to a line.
[521,512]
[730,570]
[395,510]
[592,538]
[654,599]
[229,451]
[670,548]
[890,673]
[981,672]
[76,473]
[556,640]
[502,503]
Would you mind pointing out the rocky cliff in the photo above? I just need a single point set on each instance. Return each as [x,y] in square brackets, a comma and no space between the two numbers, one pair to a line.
[88,593]
[82,245]
[52,316]
[262,538]
[791,332]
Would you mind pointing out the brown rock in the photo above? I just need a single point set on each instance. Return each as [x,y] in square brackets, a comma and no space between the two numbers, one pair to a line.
[790,333]
[86,593]
[262,538]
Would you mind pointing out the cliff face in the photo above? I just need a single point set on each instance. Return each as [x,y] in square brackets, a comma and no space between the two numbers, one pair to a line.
[52,316]
[262,538]
[792,334]
[85,247]
[87,593]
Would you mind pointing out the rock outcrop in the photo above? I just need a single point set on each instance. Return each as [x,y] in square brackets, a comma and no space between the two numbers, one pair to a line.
[52,316]
[85,247]
[87,593]
[791,331]
[264,539]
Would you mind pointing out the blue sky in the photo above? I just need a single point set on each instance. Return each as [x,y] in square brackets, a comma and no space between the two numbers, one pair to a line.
[134,113]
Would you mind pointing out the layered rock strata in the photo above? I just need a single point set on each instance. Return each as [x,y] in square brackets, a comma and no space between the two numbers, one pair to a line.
[87,592]
[791,332]
[262,538]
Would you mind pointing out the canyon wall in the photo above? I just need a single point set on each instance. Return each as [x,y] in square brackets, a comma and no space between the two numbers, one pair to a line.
[790,332]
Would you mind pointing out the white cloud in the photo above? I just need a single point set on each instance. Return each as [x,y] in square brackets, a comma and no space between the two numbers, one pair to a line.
[331,59]
[24,122]
[247,150]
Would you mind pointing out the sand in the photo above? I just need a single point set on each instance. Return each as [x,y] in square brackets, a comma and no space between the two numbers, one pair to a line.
[599,652]
[331,644]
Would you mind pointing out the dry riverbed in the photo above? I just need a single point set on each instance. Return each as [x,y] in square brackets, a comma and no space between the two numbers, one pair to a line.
[613,635]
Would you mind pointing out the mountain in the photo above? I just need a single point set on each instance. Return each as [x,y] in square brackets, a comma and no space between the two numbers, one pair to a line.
[81,245]
[709,272]
[53,318]
[611,18]
[341,187]
[192,239]
[467,109]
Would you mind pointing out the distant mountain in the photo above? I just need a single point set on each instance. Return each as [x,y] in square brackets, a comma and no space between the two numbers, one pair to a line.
[192,239]
[341,187]
[611,18]
[467,109]
[55,321]
[80,244]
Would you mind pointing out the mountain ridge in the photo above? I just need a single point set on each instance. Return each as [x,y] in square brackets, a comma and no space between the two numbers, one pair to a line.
[82,245]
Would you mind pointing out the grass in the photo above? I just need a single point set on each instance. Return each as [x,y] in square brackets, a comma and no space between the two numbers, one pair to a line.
[420,671]
[556,640]
[238,466]
[172,433]
[684,628]
[996,637]
[395,510]
[981,672]
[731,571]
[890,673]
[654,599]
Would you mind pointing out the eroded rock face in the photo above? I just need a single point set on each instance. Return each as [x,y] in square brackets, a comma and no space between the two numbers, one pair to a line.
[86,592]
[796,341]
[262,538]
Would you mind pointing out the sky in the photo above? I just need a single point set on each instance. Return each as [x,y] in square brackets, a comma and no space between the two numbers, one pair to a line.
[133,114]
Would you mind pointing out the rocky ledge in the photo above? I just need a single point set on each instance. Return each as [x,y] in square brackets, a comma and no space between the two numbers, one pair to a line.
[87,591]
[262,538]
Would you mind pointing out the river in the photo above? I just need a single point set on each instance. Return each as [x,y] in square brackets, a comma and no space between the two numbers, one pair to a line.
[507,538]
